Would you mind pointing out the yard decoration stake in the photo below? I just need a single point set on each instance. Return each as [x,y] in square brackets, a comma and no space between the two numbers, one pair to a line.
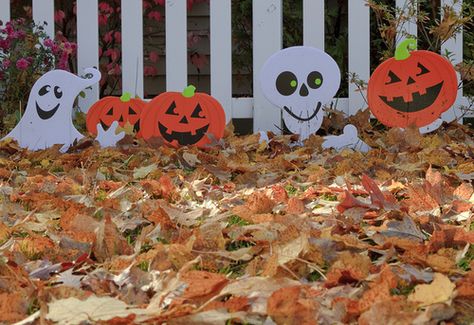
[182,119]
[300,80]
[48,116]
[122,109]
[412,88]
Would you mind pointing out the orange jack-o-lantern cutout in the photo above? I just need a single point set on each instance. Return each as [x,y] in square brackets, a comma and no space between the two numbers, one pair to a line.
[109,109]
[413,88]
[183,118]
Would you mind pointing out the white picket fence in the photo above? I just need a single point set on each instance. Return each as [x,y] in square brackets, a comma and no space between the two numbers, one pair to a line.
[267,39]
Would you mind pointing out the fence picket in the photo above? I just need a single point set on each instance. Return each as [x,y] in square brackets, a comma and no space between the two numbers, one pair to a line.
[359,52]
[176,45]
[407,27]
[221,53]
[4,11]
[313,23]
[88,45]
[132,47]
[455,47]
[43,13]
[267,39]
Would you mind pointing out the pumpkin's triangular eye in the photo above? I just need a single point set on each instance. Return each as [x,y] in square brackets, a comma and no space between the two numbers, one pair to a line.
[423,69]
[110,112]
[197,111]
[131,111]
[393,78]
[170,110]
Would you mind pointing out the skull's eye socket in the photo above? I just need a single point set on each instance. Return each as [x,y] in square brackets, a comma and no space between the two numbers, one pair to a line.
[171,109]
[58,92]
[393,78]
[197,112]
[315,80]
[44,90]
[423,70]
[110,112]
[131,111]
[286,83]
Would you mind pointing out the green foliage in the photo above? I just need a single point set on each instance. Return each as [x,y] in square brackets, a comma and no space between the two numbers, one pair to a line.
[236,220]
[465,262]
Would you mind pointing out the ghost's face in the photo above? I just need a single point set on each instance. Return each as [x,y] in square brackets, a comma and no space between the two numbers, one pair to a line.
[52,96]
[300,80]
[48,101]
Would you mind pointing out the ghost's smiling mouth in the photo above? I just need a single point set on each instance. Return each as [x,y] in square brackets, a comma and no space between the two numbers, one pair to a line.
[183,138]
[304,119]
[419,101]
[44,115]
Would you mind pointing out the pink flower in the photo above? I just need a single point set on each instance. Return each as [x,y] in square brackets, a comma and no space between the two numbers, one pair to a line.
[48,43]
[59,16]
[153,56]
[155,15]
[22,64]
[6,64]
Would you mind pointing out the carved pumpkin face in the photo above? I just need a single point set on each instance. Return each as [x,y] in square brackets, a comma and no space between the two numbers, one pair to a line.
[109,109]
[183,118]
[414,88]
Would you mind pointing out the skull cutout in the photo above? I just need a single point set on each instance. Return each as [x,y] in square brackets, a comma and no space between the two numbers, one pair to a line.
[300,80]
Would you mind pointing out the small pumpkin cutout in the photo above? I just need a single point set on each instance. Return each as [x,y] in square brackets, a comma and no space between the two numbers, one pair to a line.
[182,119]
[123,109]
[413,88]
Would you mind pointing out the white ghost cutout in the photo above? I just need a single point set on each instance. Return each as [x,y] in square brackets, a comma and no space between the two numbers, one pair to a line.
[48,116]
[301,80]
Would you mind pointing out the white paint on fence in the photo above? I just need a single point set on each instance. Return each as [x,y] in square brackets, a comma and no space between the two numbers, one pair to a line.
[313,23]
[359,52]
[221,54]
[176,45]
[455,47]
[88,46]
[43,13]
[267,39]
[407,8]
[132,47]
[4,11]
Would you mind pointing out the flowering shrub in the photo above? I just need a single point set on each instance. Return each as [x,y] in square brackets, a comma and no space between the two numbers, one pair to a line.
[25,54]
[110,41]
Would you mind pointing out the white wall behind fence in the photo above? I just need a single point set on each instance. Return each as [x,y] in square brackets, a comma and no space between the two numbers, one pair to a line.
[267,39]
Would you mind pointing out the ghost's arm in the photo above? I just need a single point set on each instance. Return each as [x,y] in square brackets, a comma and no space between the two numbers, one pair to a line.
[109,138]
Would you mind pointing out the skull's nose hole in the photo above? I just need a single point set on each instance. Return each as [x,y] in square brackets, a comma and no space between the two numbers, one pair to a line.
[121,118]
[184,120]
[410,81]
[304,90]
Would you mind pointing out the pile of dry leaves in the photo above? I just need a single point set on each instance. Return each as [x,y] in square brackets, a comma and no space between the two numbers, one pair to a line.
[248,232]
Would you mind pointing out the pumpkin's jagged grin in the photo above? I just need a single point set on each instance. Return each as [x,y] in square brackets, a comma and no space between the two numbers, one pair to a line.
[44,115]
[183,138]
[136,126]
[419,102]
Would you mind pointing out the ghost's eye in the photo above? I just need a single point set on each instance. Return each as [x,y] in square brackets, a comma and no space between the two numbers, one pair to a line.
[286,83]
[44,90]
[58,92]
[315,79]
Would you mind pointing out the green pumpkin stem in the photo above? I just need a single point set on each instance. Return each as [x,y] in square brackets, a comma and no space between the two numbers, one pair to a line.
[126,96]
[189,91]
[403,49]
